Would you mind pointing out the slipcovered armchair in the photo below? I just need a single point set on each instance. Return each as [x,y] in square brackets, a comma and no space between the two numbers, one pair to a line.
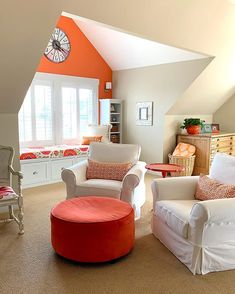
[131,189]
[201,234]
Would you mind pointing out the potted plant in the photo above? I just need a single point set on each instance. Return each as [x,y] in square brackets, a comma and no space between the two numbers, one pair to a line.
[192,125]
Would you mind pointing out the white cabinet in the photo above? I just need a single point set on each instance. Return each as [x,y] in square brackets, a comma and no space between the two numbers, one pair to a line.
[111,113]
[35,173]
[42,171]
[57,166]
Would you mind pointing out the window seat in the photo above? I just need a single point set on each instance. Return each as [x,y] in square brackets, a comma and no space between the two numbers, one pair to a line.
[43,165]
[56,151]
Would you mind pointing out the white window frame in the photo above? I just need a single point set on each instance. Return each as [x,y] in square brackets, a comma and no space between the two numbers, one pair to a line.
[57,82]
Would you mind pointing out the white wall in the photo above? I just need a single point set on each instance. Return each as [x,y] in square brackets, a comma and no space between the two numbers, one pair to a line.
[172,127]
[225,116]
[162,84]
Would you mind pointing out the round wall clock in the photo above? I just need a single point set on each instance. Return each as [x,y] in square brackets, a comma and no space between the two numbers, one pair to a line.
[58,47]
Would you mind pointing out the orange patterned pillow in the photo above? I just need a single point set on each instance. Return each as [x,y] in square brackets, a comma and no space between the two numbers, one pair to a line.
[86,140]
[107,170]
[183,149]
[208,189]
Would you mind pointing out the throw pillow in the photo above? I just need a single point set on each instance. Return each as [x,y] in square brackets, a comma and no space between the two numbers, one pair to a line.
[208,189]
[107,170]
[185,150]
[86,140]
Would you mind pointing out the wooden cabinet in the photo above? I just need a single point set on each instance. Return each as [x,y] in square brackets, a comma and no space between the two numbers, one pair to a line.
[111,113]
[207,145]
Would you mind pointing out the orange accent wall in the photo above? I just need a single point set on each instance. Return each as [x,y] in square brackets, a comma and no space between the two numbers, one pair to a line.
[83,60]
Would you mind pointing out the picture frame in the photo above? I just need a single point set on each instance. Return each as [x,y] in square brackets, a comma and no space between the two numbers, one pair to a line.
[207,128]
[144,113]
[215,128]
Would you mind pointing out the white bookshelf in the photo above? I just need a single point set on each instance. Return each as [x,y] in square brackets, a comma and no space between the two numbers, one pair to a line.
[111,113]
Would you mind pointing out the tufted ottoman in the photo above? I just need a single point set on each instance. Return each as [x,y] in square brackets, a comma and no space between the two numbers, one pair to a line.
[92,229]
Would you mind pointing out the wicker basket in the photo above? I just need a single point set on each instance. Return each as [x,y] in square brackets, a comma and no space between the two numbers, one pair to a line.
[186,162]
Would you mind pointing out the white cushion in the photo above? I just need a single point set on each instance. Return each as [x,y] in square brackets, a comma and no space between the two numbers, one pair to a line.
[100,187]
[114,152]
[175,214]
[223,168]
[100,130]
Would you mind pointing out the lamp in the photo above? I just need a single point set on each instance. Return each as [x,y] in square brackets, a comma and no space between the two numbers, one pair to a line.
[108,86]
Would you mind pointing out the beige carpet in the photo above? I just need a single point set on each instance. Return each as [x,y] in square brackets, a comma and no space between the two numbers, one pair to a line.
[28,264]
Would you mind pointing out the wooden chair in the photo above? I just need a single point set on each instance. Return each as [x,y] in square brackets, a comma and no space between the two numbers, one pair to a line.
[8,197]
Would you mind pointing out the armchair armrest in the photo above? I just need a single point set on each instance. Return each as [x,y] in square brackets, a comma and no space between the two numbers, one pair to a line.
[212,221]
[75,173]
[214,211]
[175,188]
[15,173]
[132,180]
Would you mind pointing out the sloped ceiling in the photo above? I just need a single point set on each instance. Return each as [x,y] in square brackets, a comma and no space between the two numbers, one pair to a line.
[205,26]
[125,51]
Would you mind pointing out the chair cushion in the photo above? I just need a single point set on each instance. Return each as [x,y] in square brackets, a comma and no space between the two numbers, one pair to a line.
[7,193]
[223,168]
[209,189]
[107,170]
[175,214]
[100,187]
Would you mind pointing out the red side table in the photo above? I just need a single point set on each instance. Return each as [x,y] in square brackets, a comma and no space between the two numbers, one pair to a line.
[164,168]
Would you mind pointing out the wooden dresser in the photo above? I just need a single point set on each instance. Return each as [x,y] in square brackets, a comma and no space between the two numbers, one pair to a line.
[206,147]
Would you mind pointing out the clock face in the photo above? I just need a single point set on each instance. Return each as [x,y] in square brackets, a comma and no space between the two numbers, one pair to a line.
[58,47]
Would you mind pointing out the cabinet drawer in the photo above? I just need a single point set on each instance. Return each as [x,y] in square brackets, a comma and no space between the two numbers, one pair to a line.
[57,166]
[221,142]
[35,173]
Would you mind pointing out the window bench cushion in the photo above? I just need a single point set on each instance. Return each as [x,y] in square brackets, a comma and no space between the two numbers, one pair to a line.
[56,151]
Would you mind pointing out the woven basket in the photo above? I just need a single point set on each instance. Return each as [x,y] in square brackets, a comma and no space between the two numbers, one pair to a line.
[186,162]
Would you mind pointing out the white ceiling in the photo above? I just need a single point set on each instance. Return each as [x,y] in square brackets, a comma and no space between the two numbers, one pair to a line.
[125,51]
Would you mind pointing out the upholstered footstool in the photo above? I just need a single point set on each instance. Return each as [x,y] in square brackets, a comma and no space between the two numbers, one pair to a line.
[92,229]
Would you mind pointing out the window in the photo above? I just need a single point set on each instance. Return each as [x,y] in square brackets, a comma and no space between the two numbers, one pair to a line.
[69,113]
[57,109]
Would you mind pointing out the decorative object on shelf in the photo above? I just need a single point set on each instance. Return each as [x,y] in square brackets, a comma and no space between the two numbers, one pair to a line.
[206,128]
[58,47]
[112,108]
[144,113]
[192,125]
[114,128]
[215,128]
[115,138]
[108,86]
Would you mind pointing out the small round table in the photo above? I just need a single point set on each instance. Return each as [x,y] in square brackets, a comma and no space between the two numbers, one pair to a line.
[164,168]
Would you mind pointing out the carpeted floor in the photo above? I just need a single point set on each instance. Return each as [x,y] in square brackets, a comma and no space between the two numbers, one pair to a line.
[28,264]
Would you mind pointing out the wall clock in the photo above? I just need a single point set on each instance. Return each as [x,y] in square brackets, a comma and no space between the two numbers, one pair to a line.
[58,47]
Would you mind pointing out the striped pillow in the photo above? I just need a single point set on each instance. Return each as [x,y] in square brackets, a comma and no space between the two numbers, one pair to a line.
[208,189]
[107,170]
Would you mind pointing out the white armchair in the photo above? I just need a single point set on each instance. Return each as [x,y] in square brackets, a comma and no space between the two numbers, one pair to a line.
[201,234]
[131,189]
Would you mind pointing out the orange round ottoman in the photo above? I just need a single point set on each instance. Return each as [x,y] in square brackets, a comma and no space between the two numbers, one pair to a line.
[92,229]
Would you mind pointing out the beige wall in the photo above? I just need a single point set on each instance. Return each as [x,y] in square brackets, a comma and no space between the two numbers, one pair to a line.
[172,127]
[225,116]
[161,84]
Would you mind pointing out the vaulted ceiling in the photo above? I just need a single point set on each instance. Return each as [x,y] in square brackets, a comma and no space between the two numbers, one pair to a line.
[205,26]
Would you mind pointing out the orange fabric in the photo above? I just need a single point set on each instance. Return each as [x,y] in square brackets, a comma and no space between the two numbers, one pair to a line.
[83,60]
[86,140]
[107,170]
[185,150]
[209,189]
[92,229]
